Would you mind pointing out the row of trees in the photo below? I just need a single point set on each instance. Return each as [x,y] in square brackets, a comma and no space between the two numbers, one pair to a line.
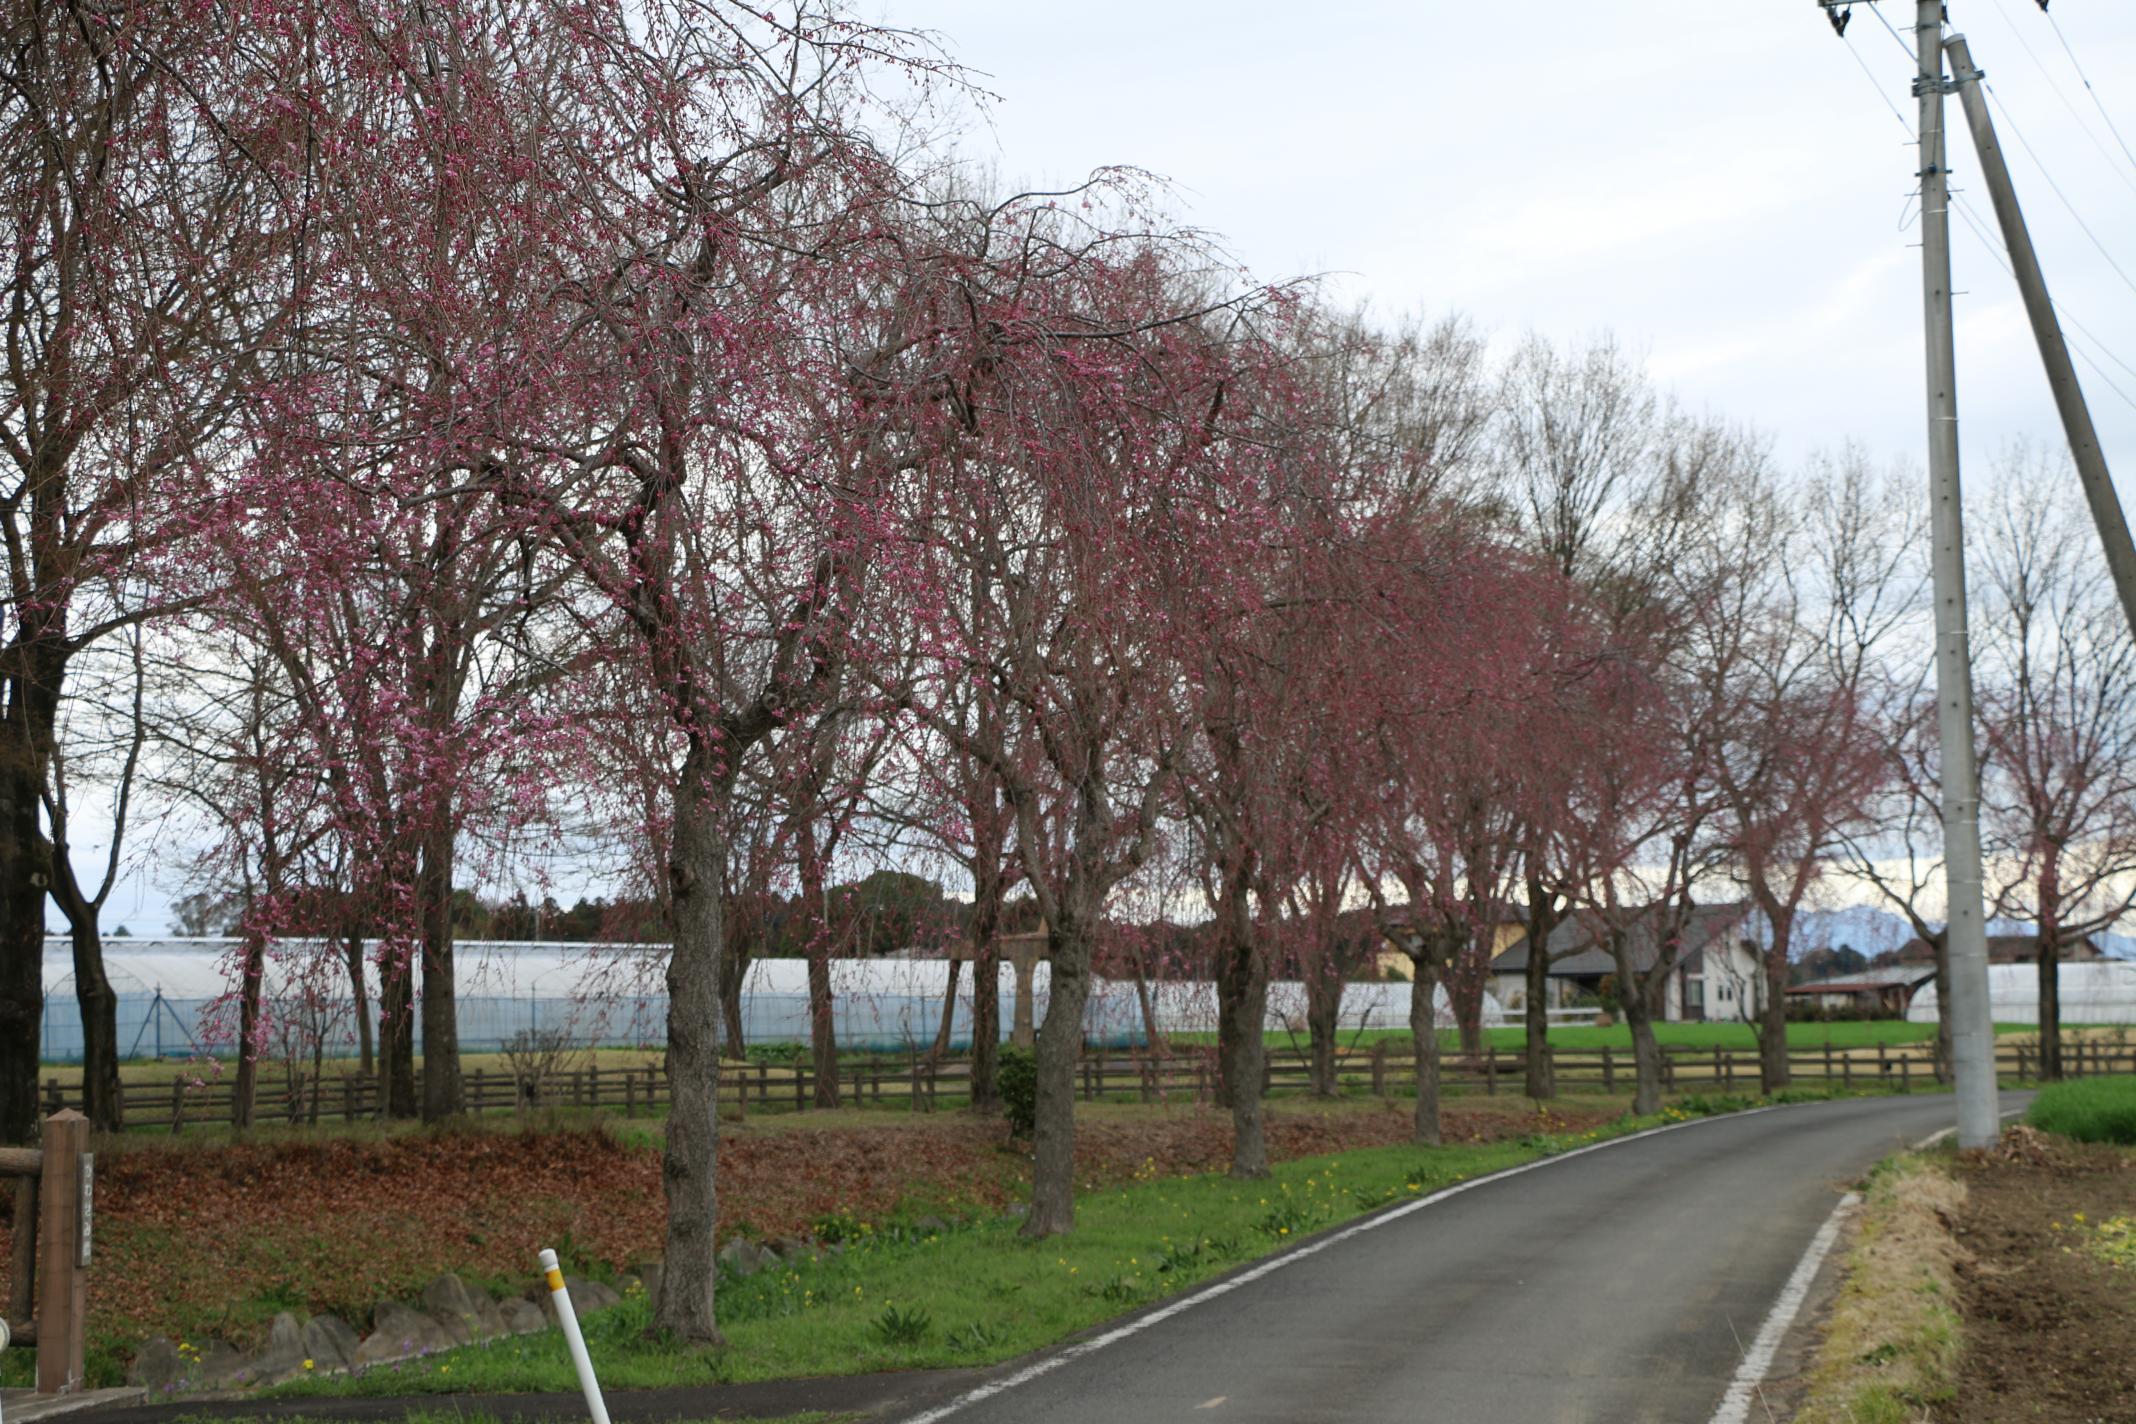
[448,438]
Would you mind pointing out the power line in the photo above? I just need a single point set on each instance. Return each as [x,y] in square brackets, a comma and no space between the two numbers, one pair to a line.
[2097,102]
[2121,171]
[1994,247]
[1992,243]
[2041,164]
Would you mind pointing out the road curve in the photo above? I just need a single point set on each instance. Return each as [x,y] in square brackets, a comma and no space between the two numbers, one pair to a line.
[1620,1285]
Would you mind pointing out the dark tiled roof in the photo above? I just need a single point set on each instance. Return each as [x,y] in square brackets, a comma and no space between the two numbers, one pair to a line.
[1577,948]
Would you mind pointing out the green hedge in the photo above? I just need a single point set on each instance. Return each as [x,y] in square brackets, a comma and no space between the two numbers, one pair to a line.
[2088,1109]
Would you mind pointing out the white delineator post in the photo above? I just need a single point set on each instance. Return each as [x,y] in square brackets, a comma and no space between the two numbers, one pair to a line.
[573,1339]
[1972,1024]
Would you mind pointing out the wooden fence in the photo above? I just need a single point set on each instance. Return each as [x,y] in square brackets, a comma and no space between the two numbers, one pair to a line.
[1184,1075]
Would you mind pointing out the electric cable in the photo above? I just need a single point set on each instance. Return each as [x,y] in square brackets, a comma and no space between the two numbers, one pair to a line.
[1992,242]
[2126,172]
[2089,88]
[2041,164]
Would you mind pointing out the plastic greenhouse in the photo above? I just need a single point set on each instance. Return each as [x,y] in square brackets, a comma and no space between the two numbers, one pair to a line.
[2101,992]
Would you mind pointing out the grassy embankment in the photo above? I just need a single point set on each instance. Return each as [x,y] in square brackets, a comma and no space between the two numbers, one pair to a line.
[2088,1109]
[976,1293]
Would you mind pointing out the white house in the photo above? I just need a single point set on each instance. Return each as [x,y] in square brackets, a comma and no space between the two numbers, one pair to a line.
[1717,977]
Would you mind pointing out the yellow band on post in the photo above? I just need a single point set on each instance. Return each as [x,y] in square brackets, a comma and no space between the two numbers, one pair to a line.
[555,1279]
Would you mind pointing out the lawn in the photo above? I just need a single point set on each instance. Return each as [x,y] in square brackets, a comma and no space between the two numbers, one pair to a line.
[2088,1109]
[1740,1037]
[976,1293]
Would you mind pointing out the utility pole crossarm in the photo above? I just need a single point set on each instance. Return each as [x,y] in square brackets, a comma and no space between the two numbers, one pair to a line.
[2084,445]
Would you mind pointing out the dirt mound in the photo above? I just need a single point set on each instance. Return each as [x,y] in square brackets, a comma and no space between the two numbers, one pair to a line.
[2048,1324]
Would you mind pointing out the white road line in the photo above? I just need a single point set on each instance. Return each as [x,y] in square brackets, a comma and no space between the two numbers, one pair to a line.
[1735,1404]
[1273,1264]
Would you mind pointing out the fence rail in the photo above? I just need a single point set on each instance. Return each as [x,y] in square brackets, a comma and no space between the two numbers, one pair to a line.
[1185,1074]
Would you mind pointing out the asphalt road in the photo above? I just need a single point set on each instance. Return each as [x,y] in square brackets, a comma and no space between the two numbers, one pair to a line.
[1621,1285]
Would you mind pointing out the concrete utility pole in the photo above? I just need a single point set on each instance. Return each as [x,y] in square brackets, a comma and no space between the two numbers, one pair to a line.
[2047,330]
[1972,1028]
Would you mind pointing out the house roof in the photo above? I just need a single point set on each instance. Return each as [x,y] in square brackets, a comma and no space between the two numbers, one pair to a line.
[2009,949]
[1578,950]
[1877,977]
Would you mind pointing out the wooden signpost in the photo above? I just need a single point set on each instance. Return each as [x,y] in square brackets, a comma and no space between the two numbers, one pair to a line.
[48,1301]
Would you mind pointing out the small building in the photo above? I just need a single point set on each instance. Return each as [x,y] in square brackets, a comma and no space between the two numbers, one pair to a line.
[1879,989]
[1718,977]
[2010,949]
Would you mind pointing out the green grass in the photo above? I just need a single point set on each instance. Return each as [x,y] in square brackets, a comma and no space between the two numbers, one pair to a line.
[2088,1109]
[978,1293]
[1586,1037]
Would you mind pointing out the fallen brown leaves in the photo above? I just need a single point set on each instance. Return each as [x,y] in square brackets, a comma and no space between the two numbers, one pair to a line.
[202,1240]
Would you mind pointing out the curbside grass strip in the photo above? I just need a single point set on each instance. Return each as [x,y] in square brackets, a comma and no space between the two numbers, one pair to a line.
[1892,1346]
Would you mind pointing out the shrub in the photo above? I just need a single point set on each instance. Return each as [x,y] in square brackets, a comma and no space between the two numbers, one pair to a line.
[1016,1079]
[2088,1109]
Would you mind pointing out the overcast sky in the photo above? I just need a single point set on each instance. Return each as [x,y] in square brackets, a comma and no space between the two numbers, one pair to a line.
[1729,195]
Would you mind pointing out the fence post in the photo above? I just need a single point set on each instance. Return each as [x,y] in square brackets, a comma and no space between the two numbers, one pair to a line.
[1490,1067]
[1905,1073]
[22,1279]
[630,1095]
[1379,1070]
[53,1102]
[1609,1070]
[2023,1066]
[1846,1071]
[1883,1061]
[177,1107]
[1828,1062]
[800,1088]
[62,1238]
[1722,1069]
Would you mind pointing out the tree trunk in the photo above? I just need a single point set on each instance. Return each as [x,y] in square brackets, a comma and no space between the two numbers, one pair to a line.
[2050,975]
[1543,919]
[685,1307]
[986,988]
[1060,1045]
[442,1096]
[822,1026]
[944,1034]
[251,971]
[1242,1011]
[1542,1073]
[360,998]
[1424,1029]
[396,1032]
[733,974]
[1146,999]
[1773,1072]
[103,1102]
[1464,990]
[1646,1049]
[1323,1020]
[24,869]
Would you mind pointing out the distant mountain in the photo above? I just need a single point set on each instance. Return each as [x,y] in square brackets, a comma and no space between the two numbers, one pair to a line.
[1862,927]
